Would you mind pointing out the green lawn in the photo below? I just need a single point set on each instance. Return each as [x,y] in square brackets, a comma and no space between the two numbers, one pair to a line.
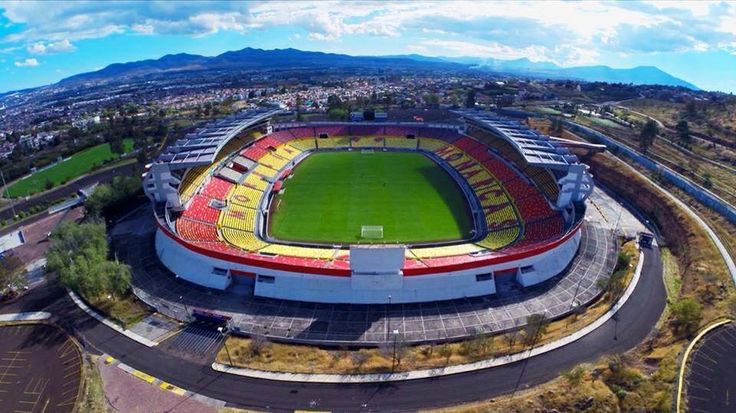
[332,194]
[77,165]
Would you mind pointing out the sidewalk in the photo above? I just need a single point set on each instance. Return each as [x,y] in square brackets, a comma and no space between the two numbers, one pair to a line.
[35,316]
[441,371]
[92,313]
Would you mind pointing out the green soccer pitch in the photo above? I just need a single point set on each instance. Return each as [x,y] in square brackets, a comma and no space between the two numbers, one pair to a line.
[333,194]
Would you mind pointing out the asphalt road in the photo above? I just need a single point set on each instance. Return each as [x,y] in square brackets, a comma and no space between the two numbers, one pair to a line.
[633,323]
[711,381]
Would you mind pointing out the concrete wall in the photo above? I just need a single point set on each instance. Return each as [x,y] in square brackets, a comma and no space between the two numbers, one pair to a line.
[200,269]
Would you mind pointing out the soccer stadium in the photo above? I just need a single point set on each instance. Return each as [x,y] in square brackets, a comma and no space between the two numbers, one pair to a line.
[367,212]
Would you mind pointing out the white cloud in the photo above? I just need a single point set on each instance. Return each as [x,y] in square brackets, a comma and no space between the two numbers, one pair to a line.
[61,46]
[576,30]
[27,62]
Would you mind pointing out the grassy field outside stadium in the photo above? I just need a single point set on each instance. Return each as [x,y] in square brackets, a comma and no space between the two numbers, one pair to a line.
[77,165]
[333,194]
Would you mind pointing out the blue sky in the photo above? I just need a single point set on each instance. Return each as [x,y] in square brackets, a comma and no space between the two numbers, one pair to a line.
[43,42]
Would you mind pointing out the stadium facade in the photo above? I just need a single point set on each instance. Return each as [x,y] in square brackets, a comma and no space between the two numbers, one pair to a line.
[212,194]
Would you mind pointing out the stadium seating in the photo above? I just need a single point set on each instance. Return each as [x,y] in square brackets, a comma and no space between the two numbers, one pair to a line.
[287,152]
[216,188]
[303,252]
[498,239]
[447,135]
[238,217]
[339,142]
[246,240]
[513,194]
[304,132]
[255,181]
[332,131]
[273,161]
[366,142]
[200,210]
[543,229]
[245,196]
[193,178]
[195,230]
[283,135]
[401,142]
[254,152]
[466,144]
[303,144]
[431,145]
[265,171]
[399,131]
[432,252]
[366,130]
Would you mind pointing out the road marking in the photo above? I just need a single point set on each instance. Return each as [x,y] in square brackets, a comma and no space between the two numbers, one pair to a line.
[170,387]
[143,376]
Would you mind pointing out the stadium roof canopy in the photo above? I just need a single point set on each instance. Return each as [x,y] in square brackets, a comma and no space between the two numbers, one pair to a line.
[201,146]
[536,148]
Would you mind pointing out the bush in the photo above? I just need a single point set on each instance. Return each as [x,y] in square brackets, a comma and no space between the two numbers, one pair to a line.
[687,314]
[623,261]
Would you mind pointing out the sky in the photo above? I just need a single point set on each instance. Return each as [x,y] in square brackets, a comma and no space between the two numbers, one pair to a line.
[44,42]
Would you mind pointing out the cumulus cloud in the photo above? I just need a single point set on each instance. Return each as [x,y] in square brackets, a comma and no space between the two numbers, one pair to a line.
[560,31]
[27,62]
[51,47]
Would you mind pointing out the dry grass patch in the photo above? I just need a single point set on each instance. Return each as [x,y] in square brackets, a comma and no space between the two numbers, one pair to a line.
[125,311]
[292,358]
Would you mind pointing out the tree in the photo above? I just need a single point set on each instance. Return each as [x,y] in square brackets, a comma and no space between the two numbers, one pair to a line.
[687,313]
[11,273]
[536,326]
[683,132]
[510,338]
[574,377]
[116,146]
[470,99]
[647,135]
[78,253]
[258,344]
[107,198]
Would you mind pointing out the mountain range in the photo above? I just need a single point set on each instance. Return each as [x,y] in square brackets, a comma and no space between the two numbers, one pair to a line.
[253,59]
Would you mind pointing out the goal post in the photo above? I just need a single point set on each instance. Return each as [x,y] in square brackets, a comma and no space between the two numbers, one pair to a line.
[371,231]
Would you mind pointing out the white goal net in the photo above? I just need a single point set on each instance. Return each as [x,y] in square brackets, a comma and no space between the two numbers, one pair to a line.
[371,231]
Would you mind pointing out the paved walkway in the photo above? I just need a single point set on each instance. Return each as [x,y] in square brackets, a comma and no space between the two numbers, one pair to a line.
[441,371]
[369,324]
[30,316]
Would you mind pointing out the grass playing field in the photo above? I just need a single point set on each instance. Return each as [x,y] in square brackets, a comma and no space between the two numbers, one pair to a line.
[77,165]
[333,194]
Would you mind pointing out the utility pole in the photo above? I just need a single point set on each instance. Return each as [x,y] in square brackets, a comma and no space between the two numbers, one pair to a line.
[7,193]
[224,342]
[526,359]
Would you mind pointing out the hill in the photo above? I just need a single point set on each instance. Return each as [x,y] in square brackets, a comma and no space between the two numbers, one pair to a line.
[253,59]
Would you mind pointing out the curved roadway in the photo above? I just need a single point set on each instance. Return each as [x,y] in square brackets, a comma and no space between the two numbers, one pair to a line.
[633,323]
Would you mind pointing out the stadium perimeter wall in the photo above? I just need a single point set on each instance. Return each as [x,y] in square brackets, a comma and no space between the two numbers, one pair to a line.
[314,284]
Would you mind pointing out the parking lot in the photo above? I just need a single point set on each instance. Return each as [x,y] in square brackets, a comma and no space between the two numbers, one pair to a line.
[712,377]
[40,369]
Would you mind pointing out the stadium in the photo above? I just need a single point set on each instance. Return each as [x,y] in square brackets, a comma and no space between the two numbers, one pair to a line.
[367,212]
